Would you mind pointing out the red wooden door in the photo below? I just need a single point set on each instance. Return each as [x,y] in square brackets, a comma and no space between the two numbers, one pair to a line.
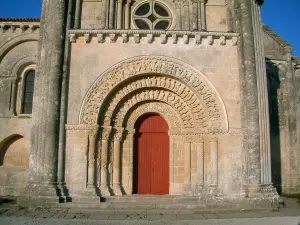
[151,156]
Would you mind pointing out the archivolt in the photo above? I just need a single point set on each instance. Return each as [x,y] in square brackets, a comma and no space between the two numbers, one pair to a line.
[167,112]
[163,89]
[143,65]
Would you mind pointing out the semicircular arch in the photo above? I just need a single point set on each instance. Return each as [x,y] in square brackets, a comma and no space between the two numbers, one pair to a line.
[143,65]
[9,45]
[167,112]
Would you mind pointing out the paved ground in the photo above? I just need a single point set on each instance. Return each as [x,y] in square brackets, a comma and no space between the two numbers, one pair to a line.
[11,214]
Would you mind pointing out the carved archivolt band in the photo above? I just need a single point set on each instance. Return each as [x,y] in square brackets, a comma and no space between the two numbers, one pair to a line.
[163,89]
[167,112]
[116,76]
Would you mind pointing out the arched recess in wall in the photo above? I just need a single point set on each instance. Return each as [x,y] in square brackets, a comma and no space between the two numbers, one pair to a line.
[157,78]
[14,151]
[9,45]
[19,88]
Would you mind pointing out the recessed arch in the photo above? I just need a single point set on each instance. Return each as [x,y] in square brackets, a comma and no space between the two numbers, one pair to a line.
[137,66]
[167,112]
[9,45]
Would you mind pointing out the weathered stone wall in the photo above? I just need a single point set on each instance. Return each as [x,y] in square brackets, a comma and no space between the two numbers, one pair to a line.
[217,62]
[183,14]
[18,50]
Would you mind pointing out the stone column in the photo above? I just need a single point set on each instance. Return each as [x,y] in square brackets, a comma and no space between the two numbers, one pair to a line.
[187,186]
[117,162]
[130,134]
[249,106]
[262,88]
[203,14]
[104,160]
[178,12]
[213,149]
[185,16]
[77,14]
[194,16]
[42,185]
[293,185]
[111,24]
[127,15]
[63,106]
[120,14]
[200,166]
[92,135]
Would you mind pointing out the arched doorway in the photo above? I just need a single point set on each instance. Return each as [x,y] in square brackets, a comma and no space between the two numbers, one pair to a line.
[151,156]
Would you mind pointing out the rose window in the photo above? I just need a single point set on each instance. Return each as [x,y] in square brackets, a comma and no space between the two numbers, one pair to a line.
[152,15]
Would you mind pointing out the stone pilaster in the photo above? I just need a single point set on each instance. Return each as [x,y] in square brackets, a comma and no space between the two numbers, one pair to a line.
[63,107]
[91,156]
[104,188]
[187,186]
[200,166]
[292,179]
[42,185]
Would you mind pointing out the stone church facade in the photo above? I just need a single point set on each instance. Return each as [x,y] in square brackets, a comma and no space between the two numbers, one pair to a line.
[192,98]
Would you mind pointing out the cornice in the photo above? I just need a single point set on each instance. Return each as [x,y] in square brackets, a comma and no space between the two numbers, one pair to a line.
[150,35]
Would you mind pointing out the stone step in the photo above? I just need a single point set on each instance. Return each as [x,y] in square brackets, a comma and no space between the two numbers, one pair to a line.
[151,198]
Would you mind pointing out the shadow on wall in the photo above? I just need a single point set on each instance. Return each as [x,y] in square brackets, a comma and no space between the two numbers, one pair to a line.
[14,151]
[273,87]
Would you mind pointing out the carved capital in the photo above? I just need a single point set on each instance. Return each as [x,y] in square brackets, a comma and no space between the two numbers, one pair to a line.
[106,131]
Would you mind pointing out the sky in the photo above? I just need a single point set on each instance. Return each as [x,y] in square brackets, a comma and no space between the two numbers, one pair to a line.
[281,16]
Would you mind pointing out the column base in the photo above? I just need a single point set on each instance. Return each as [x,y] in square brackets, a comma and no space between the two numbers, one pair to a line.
[105,191]
[40,195]
[261,191]
[117,190]
[65,192]
[187,190]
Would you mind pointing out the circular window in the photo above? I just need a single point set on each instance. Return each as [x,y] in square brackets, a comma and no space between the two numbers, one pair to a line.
[152,15]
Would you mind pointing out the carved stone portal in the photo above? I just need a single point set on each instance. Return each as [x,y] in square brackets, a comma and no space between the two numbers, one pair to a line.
[179,93]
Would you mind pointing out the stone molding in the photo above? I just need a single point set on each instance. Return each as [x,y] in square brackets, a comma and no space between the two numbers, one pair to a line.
[100,91]
[23,27]
[151,35]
